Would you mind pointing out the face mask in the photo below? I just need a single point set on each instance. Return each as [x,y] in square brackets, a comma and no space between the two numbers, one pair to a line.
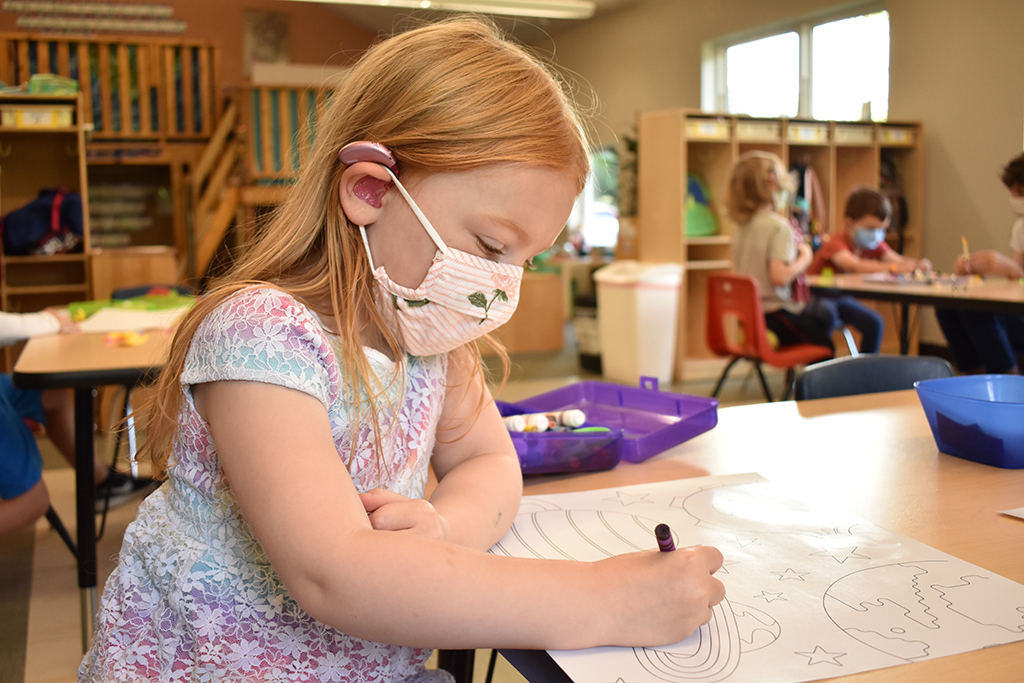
[781,200]
[869,238]
[462,297]
[1017,205]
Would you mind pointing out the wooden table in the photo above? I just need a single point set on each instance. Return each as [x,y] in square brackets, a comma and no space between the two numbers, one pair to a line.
[873,456]
[83,362]
[997,295]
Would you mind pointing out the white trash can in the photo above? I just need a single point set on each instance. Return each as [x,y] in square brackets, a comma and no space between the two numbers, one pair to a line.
[637,310]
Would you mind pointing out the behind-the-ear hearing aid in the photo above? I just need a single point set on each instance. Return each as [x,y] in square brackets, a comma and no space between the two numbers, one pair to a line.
[377,153]
[367,151]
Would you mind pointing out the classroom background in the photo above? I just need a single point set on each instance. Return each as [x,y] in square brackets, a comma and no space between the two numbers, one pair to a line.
[953,67]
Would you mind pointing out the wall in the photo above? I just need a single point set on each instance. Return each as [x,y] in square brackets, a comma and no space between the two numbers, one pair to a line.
[317,35]
[958,68]
[954,66]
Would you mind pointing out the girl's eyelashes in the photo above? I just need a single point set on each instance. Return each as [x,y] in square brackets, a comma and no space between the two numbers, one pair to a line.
[496,253]
[490,249]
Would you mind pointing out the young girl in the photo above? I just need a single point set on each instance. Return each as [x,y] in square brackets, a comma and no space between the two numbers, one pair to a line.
[766,248]
[861,248]
[304,400]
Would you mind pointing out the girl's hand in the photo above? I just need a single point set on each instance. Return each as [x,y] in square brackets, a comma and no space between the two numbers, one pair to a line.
[667,596]
[389,511]
[63,316]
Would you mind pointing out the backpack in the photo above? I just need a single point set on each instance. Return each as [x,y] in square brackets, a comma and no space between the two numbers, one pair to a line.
[50,224]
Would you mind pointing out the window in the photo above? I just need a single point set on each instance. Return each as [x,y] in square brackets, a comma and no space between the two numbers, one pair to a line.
[594,223]
[826,67]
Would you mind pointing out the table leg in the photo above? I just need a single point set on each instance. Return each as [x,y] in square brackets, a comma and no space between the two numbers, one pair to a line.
[459,663]
[85,497]
[904,329]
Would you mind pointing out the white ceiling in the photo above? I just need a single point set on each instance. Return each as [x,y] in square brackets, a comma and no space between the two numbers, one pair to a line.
[529,30]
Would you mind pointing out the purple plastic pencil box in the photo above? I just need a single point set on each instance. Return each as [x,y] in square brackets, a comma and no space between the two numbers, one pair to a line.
[642,422]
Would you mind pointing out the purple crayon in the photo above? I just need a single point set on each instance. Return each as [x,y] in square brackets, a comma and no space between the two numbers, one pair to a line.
[664,536]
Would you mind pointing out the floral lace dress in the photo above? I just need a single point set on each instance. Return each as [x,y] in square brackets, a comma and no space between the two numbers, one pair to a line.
[193,597]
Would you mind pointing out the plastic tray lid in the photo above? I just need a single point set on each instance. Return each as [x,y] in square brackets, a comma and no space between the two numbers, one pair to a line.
[630,272]
[651,421]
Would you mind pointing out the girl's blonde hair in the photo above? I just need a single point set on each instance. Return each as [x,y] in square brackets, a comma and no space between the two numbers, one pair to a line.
[451,96]
[751,186]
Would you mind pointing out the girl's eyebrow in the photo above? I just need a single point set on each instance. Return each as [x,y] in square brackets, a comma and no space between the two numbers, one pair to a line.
[508,224]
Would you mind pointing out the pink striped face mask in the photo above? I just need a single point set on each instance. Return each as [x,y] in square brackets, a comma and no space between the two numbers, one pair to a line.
[462,297]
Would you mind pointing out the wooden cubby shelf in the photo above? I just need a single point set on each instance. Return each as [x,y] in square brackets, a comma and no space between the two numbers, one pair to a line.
[843,154]
[33,158]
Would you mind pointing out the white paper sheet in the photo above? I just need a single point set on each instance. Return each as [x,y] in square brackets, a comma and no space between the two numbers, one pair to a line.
[810,593]
[124,319]
[1018,512]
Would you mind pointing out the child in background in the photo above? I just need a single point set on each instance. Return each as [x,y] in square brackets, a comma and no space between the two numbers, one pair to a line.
[991,342]
[23,494]
[766,247]
[861,248]
[307,394]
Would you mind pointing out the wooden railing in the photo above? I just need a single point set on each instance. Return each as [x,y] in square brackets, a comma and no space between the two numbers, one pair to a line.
[280,123]
[133,88]
[213,199]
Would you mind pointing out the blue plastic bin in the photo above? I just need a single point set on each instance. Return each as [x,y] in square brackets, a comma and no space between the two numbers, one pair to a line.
[977,417]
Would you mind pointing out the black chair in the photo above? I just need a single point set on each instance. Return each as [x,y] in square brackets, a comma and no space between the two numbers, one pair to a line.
[127,417]
[867,374]
[55,521]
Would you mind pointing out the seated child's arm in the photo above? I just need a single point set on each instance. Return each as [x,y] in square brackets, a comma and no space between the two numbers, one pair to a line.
[783,273]
[906,264]
[849,262]
[480,480]
[279,459]
[989,262]
[479,477]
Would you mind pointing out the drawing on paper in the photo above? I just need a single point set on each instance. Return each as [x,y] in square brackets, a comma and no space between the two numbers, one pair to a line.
[811,592]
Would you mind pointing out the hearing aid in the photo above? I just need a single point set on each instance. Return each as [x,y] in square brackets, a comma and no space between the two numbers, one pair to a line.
[362,150]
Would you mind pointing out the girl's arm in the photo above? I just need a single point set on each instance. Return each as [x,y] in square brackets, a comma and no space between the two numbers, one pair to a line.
[278,455]
[479,477]
[15,327]
[783,273]
[480,480]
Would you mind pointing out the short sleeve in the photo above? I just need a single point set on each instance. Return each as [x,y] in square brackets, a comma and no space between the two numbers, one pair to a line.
[781,245]
[263,335]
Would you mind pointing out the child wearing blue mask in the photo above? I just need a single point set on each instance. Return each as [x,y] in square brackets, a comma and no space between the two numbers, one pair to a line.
[309,392]
[861,248]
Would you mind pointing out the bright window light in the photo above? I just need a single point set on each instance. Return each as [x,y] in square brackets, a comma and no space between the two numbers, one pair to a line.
[850,66]
[763,76]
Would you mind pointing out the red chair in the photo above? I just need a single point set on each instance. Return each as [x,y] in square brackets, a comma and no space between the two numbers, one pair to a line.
[736,328]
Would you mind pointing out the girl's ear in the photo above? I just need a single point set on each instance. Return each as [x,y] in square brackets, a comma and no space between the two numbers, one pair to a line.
[361,190]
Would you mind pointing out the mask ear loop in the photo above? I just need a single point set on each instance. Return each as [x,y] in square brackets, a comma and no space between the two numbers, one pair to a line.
[442,248]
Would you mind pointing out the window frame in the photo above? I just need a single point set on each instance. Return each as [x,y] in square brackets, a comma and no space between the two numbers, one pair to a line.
[714,96]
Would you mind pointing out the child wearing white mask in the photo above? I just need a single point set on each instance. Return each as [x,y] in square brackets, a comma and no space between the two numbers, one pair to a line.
[861,248]
[991,342]
[307,394]
[766,247]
